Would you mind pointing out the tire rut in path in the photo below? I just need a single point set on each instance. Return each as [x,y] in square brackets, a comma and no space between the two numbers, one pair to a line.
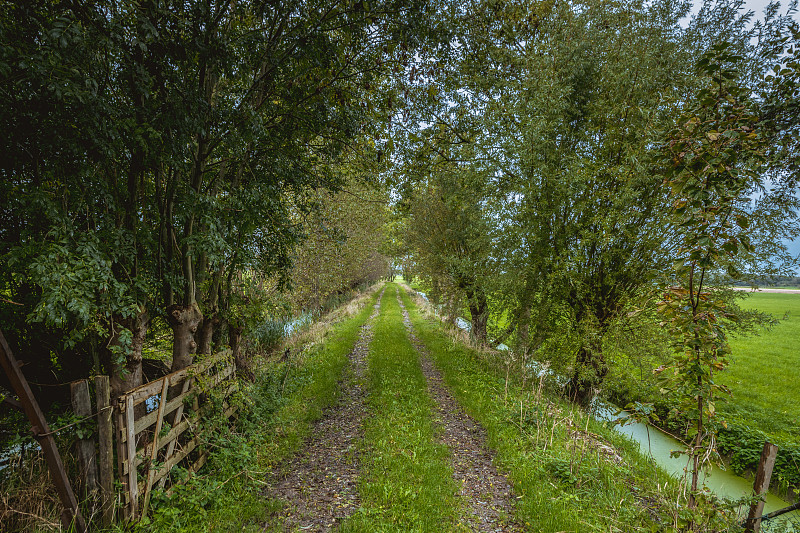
[487,494]
[320,483]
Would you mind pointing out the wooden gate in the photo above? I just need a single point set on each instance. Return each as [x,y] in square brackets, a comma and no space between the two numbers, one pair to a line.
[157,426]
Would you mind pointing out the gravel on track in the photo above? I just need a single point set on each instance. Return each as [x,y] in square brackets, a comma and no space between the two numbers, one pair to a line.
[320,483]
[486,493]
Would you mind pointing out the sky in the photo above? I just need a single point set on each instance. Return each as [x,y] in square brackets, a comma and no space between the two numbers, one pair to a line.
[757,6]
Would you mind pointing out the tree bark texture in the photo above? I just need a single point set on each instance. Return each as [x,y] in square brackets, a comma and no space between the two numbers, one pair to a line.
[590,370]
[239,357]
[127,375]
[184,321]
[479,311]
[206,335]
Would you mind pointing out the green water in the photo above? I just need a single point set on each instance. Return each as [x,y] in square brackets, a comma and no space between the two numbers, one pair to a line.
[659,446]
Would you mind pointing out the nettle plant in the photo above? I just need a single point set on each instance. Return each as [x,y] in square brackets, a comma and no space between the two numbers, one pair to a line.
[712,160]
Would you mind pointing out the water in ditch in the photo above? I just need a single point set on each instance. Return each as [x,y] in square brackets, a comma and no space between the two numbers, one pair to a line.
[723,483]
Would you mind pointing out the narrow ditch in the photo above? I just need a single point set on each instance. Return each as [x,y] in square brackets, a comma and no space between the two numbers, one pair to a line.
[320,483]
[487,494]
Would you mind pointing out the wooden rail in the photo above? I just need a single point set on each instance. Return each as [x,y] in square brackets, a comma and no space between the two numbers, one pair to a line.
[71,517]
[155,433]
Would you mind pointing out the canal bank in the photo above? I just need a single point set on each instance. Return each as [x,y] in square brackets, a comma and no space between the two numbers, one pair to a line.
[659,446]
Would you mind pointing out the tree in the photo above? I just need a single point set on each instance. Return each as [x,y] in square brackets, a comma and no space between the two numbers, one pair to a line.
[712,162]
[451,235]
[343,247]
[159,150]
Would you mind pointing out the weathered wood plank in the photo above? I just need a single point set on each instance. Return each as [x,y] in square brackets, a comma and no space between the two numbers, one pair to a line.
[154,452]
[143,392]
[87,462]
[105,457]
[131,443]
[41,431]
[761,486]
[122,458]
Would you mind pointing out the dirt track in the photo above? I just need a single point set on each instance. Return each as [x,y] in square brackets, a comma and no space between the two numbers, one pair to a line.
[319,485]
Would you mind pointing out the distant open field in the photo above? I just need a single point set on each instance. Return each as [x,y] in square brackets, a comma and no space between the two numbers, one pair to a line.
[773,290]
[764,375]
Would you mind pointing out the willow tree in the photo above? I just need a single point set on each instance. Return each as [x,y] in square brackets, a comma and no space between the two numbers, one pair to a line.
[167,147]
[563,105]
[450,231]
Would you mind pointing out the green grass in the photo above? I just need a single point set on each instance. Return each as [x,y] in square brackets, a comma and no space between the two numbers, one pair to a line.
[563,483]
[406,484]
[278,412]
[765,403]
[764,369]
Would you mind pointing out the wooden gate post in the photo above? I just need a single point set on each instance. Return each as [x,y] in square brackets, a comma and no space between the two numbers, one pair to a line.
[105,456]
[760,486]
[41,432]
[87,463]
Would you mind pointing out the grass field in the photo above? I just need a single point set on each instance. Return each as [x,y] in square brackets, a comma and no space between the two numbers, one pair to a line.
[764,370]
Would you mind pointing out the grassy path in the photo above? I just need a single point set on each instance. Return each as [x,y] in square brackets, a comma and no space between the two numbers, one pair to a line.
[318,487]
[570,474]
[429,437]
[407,484]
[486,494]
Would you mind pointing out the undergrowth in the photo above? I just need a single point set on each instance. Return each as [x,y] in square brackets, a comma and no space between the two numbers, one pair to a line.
[276,414]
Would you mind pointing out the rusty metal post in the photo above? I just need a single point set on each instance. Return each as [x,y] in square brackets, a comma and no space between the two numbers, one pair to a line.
[41,432]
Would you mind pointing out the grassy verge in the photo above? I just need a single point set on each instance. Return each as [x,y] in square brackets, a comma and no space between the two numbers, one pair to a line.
[570,472]
[277,413]
[406,483]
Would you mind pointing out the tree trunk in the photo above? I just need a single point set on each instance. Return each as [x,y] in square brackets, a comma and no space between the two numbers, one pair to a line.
[206,336]
[184,320]
[242,363]
[127,374]
[479,311]
[211,322]
[590,370]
